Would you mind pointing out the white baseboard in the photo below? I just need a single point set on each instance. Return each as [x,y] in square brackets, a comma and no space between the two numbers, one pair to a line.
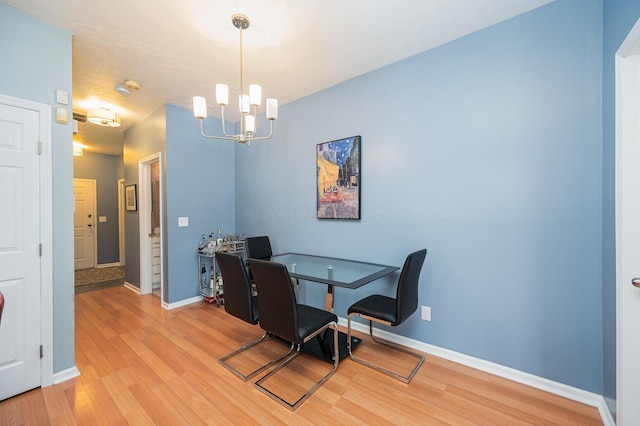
[132,287]
[165,305]
[64,375]
[560,389]
[181,303]
[108,265]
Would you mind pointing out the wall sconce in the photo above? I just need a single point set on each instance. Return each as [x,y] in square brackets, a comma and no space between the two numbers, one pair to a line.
[77,149]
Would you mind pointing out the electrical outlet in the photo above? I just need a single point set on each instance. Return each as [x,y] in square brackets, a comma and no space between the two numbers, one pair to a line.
[426,313]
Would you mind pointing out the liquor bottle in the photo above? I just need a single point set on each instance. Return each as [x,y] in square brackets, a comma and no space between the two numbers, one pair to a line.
[219,238]
[219,288]
[203,280]
[212,243]
[212,287]
[203,244]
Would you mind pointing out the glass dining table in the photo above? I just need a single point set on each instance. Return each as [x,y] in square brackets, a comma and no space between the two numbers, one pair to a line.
[336,272]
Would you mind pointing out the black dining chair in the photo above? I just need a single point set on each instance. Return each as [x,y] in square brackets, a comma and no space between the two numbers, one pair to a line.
[239,302]
[258,247]
[391,312]
[283,317]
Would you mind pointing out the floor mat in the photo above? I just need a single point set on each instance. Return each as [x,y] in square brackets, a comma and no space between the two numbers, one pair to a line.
[99,275]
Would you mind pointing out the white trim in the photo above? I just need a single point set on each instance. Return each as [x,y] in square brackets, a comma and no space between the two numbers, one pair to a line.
[132,287]
[144,213]
[627,207]
[46,233]
[108,265]
[46,236]
[121,234]
[182,303]
[560,389]
[64,375]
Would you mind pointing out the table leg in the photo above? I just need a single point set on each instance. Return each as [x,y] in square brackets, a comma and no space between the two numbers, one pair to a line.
[328,304]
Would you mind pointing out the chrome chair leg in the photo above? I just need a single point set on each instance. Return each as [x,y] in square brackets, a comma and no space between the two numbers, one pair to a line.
[246,377]
[296,404]
[394,374]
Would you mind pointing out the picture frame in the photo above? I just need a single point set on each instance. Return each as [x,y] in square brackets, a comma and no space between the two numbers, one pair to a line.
[130,198]
[338,179]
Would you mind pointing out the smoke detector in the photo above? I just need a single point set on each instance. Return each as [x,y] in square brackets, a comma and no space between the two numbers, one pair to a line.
[125,88]
[122,90]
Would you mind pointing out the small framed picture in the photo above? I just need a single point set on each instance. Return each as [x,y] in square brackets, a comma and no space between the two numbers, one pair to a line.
[338,177]
[130,198]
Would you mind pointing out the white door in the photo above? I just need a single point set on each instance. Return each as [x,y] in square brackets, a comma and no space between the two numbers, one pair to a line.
[628,229]
[84,232]
[20,262]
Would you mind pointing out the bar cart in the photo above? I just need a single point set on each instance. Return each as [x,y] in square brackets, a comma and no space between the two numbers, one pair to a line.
[211,286]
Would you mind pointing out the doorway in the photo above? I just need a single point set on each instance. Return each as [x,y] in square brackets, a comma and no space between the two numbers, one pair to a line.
[150,222]
[26,256]
[85,240]
[627,142]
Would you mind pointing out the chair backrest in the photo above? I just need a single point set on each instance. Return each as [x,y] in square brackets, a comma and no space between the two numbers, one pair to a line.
[238,300]
[258,248]
[1,305]
[277,302]
[407,292]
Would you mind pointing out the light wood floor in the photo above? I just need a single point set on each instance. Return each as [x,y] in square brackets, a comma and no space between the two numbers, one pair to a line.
[141,365]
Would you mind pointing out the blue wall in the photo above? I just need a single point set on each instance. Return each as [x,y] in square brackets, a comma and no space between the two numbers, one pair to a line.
[145,138]
[486,151]
[35,60]
[104,169]
[619,18]
[200,186]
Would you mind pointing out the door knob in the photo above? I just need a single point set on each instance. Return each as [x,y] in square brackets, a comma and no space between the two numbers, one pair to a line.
[636,282]
[90,225]
[89,215]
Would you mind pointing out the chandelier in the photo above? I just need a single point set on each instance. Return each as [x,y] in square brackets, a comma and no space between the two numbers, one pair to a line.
[248,104]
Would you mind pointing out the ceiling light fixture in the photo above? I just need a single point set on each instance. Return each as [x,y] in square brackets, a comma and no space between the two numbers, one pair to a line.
[248,104]
[103,117]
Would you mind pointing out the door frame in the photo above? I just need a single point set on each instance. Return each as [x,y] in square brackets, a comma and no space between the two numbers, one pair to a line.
[144,215]
[46,232]
[121,233]
[627,156]
[94,226]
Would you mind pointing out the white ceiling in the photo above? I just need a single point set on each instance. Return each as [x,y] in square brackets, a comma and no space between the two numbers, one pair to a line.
[180,48]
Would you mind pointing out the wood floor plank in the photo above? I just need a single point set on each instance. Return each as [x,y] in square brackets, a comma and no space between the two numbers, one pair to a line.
[143,365]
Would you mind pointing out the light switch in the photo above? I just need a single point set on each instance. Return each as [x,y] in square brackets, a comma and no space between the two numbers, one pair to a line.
[62,97]
[62,115]
[183,221]
[102,219]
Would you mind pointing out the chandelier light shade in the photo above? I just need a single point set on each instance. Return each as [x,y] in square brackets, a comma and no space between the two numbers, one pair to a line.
[247,103]
[103,117]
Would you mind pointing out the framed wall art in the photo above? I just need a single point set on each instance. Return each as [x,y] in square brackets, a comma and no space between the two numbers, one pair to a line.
[130,198]
[338,176]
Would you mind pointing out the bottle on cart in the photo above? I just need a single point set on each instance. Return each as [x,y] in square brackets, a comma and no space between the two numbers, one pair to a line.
[203,244]
[212,285]
[212,243]
[203,279]
[219,287]
[219,237]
